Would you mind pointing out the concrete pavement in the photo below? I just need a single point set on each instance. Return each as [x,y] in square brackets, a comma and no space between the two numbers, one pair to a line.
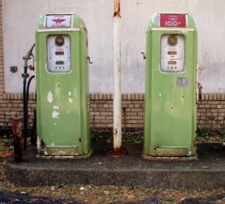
[207,172]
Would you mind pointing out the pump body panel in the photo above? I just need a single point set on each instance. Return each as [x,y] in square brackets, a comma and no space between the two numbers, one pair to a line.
[170,89]
[62,87]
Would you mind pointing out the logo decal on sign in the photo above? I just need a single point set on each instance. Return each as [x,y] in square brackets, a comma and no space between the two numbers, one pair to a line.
[58,21]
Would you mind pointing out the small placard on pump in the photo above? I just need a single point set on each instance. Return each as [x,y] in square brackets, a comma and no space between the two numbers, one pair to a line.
[173,20]
[58,21]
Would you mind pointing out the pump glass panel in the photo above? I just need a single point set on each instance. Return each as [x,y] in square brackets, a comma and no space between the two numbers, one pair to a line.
[172,53]
[58,53]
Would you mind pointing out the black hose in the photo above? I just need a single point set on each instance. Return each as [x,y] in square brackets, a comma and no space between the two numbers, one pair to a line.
[27,98]
[34,131]
[28,86]
[24,114]
[26,101]
[25,76]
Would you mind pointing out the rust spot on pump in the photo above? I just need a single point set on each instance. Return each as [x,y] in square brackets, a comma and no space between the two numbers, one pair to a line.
[195,141]
[43,146]
[155,147]
[172,154]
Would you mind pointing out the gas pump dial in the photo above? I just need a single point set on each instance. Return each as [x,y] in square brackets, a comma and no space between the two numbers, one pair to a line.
[172,40]
[59,40]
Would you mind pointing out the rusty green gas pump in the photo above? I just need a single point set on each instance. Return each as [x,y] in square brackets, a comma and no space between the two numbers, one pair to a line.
[62,87]
[170,87]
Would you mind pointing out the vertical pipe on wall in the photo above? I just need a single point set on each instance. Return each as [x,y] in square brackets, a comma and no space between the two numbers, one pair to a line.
[117,138]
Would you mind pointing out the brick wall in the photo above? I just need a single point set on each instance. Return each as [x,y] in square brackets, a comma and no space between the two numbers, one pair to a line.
[210,112]
[11,106]
[101,110]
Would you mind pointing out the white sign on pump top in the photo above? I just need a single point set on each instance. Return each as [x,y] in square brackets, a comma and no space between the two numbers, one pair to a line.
[58,21]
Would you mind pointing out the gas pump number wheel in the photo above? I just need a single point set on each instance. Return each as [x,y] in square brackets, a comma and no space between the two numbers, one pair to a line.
[59,40]
[172,40]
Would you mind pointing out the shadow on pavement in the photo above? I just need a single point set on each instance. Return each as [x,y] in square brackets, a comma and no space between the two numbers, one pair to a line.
[24,198]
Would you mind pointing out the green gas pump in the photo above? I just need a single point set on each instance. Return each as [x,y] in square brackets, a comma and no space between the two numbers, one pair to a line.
[62,87]
[170,87]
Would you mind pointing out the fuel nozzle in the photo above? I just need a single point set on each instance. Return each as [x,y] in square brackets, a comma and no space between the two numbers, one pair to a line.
[27,57]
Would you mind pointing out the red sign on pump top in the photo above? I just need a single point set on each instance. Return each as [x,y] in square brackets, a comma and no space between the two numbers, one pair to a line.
[172,20]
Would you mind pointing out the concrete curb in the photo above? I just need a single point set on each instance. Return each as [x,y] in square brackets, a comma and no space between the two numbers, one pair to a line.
[208,172]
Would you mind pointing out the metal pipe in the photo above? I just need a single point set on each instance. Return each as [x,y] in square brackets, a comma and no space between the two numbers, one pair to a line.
[17,136]
[117,138]
[200,87]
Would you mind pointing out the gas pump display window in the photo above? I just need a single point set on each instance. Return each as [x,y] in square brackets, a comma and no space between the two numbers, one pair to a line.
[172,53]
[58,53]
